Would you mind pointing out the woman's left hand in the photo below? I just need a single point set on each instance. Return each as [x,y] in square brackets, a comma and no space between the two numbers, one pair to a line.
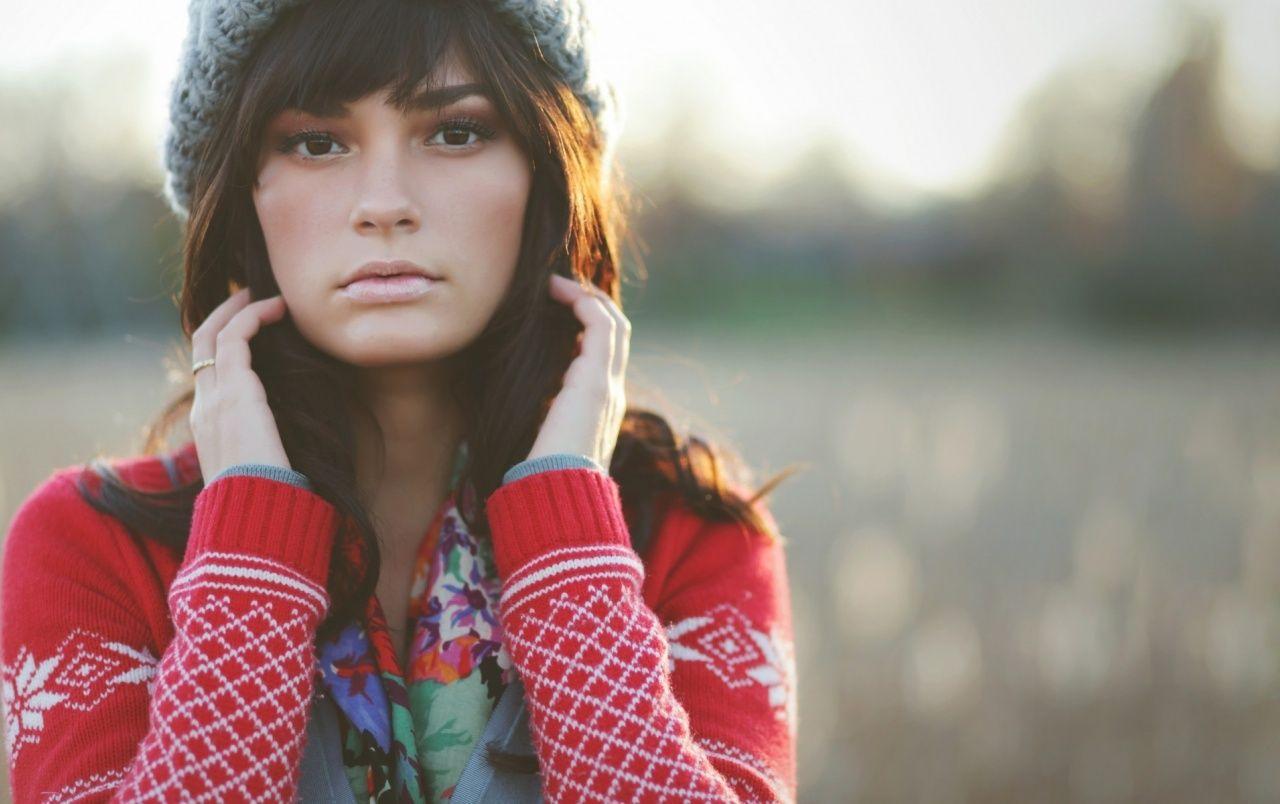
[586,416]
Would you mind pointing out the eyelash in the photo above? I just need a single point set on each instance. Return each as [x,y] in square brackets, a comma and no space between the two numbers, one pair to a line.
[481,130]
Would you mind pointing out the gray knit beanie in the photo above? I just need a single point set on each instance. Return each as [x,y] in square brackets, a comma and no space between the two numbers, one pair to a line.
[221,34]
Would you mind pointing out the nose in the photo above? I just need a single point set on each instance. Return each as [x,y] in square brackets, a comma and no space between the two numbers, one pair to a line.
[386,202]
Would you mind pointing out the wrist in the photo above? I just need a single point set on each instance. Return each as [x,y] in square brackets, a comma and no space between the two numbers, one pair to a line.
[549,510]
[550,462]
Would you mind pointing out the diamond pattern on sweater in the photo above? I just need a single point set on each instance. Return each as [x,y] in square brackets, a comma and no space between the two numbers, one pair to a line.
[602,712]
[234,687]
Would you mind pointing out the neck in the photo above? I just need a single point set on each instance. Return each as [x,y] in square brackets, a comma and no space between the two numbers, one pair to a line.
[421,430]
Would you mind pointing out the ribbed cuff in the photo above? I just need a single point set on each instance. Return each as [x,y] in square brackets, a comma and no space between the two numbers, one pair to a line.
[546,510]
[291,476]
[266,518]
[544,463]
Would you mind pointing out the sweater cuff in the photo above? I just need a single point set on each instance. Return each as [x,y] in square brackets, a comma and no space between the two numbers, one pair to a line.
[544,463]
[554,509]
[265,518]
[291,476]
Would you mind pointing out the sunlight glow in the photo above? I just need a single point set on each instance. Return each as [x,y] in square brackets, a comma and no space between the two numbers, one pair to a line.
[920,93]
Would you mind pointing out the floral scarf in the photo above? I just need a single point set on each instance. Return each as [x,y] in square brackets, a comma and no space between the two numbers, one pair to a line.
[407,736]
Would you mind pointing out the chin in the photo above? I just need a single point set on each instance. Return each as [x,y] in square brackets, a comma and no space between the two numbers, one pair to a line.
[394,347]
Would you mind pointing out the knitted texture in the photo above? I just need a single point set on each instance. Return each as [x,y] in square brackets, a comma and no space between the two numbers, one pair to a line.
[222,33]
[132,671]
[617,711]
[195,687]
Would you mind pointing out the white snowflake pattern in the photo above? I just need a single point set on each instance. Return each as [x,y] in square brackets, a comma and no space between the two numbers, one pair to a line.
[84,670]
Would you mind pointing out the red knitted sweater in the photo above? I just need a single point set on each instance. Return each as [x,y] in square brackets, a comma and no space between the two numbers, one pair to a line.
[135,672]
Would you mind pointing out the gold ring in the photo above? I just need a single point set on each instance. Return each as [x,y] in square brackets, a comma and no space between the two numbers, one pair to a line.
[202,364]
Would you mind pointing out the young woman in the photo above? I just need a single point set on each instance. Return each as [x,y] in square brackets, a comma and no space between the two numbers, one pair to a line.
[391,564]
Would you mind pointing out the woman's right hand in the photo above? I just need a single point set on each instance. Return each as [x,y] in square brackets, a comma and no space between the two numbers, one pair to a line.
[230,419]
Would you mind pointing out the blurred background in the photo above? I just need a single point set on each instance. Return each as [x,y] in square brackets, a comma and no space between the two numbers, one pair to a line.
[1001,274]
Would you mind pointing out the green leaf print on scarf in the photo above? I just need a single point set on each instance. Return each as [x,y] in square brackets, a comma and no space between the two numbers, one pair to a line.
[442,710]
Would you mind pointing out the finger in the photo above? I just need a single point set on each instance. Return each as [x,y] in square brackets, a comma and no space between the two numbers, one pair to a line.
[621,332]
[566,288]
[598,338]
[203,340]
[599,341]
[622,325]
[622,349]
[233,353]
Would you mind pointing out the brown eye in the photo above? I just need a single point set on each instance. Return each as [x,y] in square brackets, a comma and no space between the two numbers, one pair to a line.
[455,132]
[316,144]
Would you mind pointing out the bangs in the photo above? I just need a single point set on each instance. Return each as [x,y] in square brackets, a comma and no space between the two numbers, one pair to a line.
[324,55]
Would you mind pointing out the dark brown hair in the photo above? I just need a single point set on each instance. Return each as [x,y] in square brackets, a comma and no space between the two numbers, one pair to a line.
[326,53]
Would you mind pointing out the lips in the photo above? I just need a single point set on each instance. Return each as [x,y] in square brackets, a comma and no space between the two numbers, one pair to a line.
[388,268]
[401,287]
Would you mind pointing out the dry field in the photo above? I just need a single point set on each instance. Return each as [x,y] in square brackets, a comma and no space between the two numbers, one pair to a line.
[1024,565]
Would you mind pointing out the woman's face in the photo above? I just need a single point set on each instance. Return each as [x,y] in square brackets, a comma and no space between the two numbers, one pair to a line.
[445,190]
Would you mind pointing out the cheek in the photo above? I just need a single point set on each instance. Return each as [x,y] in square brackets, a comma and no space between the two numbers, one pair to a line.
[489,221]
[291,216]
[294,221]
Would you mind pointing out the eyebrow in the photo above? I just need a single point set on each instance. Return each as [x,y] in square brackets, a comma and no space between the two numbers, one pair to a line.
[453,93]
[434,99]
